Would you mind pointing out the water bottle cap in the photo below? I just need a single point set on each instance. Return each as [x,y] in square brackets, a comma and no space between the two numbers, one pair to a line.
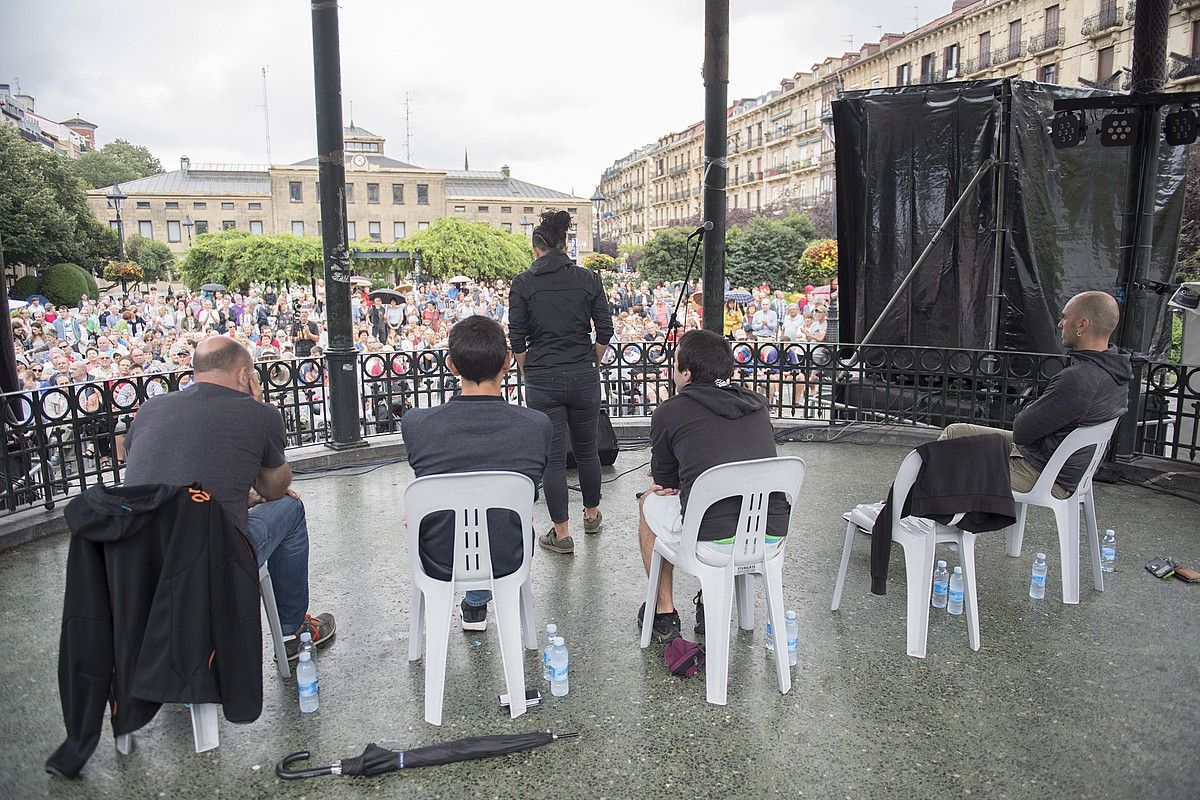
[306,637]
[1110,531]
[1041,556]
[559,641]
[305,655]
[958,570]
[790,615]
[941,565]
[551,628]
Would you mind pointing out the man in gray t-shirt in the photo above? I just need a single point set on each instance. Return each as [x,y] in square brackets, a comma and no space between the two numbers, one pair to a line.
[218,433]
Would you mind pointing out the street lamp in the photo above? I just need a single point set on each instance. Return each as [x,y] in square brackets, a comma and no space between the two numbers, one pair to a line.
[187,223]
[597,199]
[115,198]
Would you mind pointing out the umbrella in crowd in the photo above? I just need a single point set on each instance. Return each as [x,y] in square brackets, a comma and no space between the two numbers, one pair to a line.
[459,279]
[404,287]
[376,760]
[213,287]
[359,279]
[387,295]
[740,295]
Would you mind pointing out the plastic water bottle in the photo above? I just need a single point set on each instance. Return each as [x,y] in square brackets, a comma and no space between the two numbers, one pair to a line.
[954,599]
[551,632]
[941,585]
[1108,551]
[559,685]
[793,636]
[306,680]
[306,643]
[770,638]
[1037,584]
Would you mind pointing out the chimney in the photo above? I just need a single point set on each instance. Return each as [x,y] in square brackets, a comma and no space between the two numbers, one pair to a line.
[505,171]
[185,164]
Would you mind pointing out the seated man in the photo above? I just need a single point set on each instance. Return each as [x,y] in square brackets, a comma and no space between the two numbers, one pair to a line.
[474,431]
[221,435]
[709,421]
[1092,390]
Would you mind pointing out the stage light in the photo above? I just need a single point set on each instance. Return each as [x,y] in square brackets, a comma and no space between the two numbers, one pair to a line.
[1181,127]
[1116,129]
[1066,130]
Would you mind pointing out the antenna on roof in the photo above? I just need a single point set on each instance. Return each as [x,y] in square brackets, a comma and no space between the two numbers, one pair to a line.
[916,16]
[266,115]
[351,113]
[407,127]
[466,161]
[879,32]
[849,40]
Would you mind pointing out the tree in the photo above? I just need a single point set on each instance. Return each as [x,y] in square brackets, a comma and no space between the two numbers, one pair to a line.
[600,262]
[155,258]
[767,251]
[1187,262]
[214,258]
[116,162]
[665,256]
[608,247]
[64,284]
[450,246]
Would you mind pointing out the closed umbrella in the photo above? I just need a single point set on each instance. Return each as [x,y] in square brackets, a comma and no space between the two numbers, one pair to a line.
[376,760]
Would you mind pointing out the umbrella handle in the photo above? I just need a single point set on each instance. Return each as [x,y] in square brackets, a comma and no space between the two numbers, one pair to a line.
[281,768]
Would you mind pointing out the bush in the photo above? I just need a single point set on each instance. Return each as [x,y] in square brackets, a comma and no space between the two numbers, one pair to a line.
[25,286]
[819,262]
[600,262]
[127,271]
[63,284]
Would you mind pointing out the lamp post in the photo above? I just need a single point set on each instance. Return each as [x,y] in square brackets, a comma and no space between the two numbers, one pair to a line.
[597,199]
[189,224]
[115,198]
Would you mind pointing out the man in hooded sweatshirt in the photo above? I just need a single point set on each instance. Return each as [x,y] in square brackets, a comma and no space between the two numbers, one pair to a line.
[708,422]
[1093,390]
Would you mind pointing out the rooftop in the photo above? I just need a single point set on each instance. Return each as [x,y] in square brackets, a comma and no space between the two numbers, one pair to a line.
[227,179]
[479,183]
[1094,700]
[373,158]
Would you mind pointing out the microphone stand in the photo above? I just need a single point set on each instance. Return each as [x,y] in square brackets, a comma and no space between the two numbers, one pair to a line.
[673,324]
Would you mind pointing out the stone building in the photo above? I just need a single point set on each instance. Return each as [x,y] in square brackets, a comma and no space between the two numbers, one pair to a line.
[780,143]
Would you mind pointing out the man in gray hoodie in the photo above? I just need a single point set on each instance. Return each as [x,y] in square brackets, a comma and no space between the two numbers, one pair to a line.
[1092,390]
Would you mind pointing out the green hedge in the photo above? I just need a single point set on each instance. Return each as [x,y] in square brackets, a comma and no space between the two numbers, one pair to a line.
[25,286]
[64,283]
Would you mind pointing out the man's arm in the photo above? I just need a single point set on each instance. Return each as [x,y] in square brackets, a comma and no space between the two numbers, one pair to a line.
[273,483]
[1059,407]
[664,467]
[602,320]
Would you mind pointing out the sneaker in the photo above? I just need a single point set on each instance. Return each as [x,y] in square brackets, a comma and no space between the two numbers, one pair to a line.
[474,618]
[699,601]
[555,544]
[322,628]
[664,624]
[593,525]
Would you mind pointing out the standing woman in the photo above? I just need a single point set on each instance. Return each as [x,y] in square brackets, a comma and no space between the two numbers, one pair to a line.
[553,308]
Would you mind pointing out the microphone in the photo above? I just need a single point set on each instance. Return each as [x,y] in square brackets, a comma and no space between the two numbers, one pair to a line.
[707,226]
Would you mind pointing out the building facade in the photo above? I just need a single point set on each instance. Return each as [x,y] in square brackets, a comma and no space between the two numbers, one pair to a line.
[70,138]
[781,145]
[386,199]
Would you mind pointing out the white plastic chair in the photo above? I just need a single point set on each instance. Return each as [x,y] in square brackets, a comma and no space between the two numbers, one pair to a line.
[725,570]
[204,715]
[918,537]
[1066,510]
[469,495]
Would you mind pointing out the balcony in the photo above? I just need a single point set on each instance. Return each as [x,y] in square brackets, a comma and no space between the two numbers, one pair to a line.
[948,74]
[779,134]
[681,169]
[1097,24]
[980,63]
[1007,54]
[1183,68]
[1185,3]
[1049,40]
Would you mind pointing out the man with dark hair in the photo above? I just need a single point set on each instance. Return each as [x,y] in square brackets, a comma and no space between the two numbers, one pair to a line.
[496,435]
[709,421]
[236,455]
[1093,390]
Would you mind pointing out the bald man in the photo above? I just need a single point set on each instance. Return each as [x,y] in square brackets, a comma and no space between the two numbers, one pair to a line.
[220,434]
[1092,390]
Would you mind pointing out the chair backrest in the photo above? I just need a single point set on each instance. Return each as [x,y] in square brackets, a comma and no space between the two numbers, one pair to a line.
[469,495]
[754,481]
[1094,436]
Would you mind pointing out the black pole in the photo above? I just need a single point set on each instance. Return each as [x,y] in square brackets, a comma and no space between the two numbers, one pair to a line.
[716,102]
[8,355]
[340,358]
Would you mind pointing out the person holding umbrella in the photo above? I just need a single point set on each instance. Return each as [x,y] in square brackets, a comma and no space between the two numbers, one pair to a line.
[553,308]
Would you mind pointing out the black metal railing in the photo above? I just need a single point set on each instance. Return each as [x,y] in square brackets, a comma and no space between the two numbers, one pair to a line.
[979,63]
[1006,53]
[1040,43]
[1169,418]
[1109,17]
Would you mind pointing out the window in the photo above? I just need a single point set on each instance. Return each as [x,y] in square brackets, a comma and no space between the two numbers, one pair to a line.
[199,204]
[398,194]
[372,192]
[227,206]
[505,209]
[1196,38]
[527,210]
[1014,38]
[363,147]
[950,61]
[421,226]
[903,77]
[228,225]
[349,192]
[173,204]
[483,209]
[985,49]
[201,226]
[173,230]
[297,227]
[572,210]
[295,191]
[374,232]
[1048,73]
[1104,63]
[422,194]
[460,209]
[758,198]
[255,206]
[1052,25]
[398,232]
[146,229]
[143,203]
[351,231]
[506,227]
[114,224]
[256,226]
[927,68]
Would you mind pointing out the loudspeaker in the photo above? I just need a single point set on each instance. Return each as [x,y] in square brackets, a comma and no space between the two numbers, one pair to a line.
[606,443]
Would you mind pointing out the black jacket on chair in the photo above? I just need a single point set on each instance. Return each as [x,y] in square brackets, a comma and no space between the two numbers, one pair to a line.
[161,606]
[967,475]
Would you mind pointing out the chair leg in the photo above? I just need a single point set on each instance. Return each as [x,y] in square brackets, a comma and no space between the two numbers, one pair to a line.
[204,726]
[718,607]
[1066,516]
[743,587]
[918,568]
[970,594]
[652,598]
[508,624]
[416,624]
[125,743]
[438,608]
[1093,532]
[851,529]
[528,620]
[773,583]
[268,597]
[1016,533]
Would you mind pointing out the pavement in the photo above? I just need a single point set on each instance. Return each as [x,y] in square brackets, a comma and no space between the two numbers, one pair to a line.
[1096,700]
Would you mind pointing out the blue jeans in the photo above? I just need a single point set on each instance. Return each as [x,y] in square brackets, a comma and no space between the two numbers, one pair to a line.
[477,598]
[279,533]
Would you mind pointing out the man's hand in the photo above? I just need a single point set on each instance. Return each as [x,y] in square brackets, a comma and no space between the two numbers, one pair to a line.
[661,491]
[292,493]
[256,390]
[254,499]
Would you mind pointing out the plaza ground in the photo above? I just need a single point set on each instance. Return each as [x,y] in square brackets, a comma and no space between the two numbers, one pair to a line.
[1101,699]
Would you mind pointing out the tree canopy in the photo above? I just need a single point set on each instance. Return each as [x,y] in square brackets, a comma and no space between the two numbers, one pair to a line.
[452,246]
[116,162]
[665,256]
[154,257]
[237,258]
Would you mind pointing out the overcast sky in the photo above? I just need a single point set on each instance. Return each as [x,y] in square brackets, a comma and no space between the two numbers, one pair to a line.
[557,90]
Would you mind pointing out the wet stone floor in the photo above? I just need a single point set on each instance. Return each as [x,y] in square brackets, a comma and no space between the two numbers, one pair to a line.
[1101,699]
